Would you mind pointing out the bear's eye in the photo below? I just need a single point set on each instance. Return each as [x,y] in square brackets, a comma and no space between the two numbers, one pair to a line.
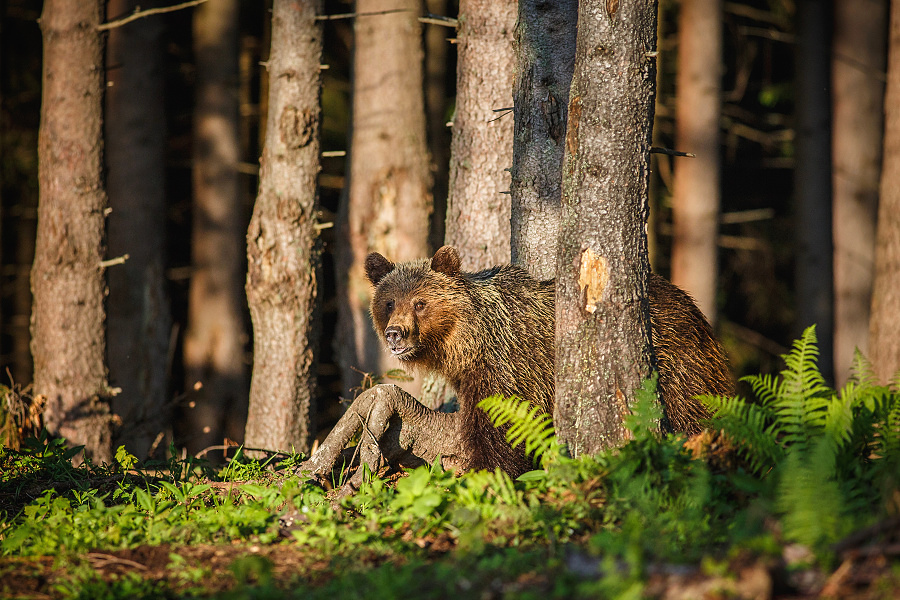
[419,305]
[389,305]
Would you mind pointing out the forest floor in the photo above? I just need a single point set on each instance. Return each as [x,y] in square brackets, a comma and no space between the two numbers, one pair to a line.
[411,562]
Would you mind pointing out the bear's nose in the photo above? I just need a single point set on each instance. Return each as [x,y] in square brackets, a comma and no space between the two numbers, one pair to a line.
[393,335]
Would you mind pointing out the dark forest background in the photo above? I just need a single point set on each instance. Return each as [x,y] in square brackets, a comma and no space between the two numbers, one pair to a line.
[756,298]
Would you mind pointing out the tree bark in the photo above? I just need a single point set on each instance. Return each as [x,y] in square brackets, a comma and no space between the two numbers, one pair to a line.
[388,206]
[282,242]
[478,211]
[695,202]
[603,347]
[857,68]
[884,332]
[139,321]
[68,317]
[814,259]
[478,206]
[545,48]
[216,335]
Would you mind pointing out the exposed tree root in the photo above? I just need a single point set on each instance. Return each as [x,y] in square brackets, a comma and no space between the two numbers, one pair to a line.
[393,427]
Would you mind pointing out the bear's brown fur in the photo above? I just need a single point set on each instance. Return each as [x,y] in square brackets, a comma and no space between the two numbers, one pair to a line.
[492,332]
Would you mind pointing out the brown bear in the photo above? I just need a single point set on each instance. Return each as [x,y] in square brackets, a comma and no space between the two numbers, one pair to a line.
[492,332]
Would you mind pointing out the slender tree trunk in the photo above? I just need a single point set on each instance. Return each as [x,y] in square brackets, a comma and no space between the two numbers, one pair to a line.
[478,211]
[857,68]
[884,331]
[388,206]
[216,336]
[282,243]
[68,342]
[545,48]
[603,348]
[139,321]
[695,203]
[814,259]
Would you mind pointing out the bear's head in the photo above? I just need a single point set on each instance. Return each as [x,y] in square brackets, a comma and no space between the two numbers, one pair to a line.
[414,304]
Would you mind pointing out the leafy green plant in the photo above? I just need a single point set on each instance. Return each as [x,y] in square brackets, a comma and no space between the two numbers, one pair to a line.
[826,458]
[528,425]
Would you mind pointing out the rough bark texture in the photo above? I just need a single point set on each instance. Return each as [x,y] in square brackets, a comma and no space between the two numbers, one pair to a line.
[857,68]
[884,332]
[478,211]
[814,258]
[695,202]
[481,148]
[388,205]
[545,46]
[139,320]
[67,327]
[216,335]
[603,348]
[282,249]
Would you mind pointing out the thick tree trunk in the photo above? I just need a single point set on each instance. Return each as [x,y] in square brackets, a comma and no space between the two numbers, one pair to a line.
[216,336]
[814,258]
[282,243]
[857,66]
[478,211]
[603,348]
[388,206]
[545,48]
[884,332]
[139,321]
[695,202]
[68,342]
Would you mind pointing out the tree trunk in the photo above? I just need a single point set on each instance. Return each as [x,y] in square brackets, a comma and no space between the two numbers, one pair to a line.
[216,335]
[814,259]
[695,202]
[282,243]
[388,206]
[478,206]
[68,317]
[545,49]
[139,321]
[481,149]
[884,332]
[603,348]
[857,65]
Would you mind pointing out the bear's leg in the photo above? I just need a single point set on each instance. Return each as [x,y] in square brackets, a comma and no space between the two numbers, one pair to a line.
[395,426]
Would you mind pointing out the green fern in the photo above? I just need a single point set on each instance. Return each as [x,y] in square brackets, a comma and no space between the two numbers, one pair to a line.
[829,457]
[748,428]
[527,424]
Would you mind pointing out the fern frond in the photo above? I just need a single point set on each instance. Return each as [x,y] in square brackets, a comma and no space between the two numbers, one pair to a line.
[748,426]
[809,498]
[765,387]
[803,397]
[528,425]
[838,425]
[862,371]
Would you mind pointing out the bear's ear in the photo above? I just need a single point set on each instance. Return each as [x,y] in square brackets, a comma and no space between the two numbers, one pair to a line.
[446,261]
[377,267]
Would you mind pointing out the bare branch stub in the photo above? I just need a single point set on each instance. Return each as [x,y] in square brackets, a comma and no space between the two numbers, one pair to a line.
[140,14]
